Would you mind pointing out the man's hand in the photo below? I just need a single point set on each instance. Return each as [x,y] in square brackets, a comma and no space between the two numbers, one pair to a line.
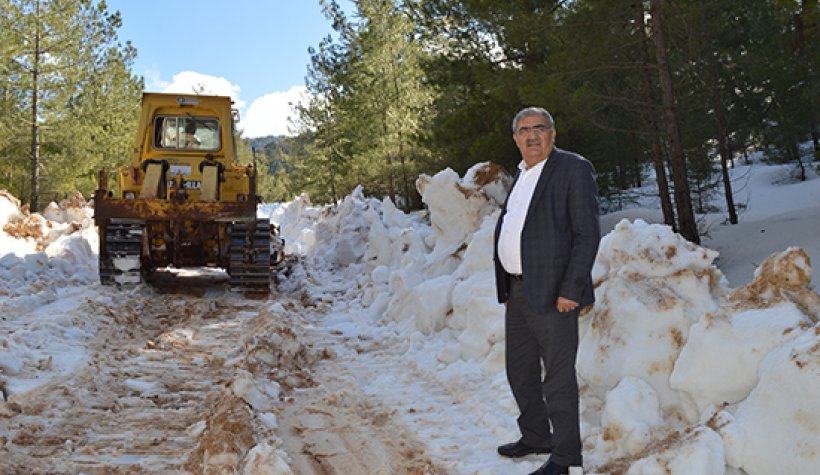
[565,305]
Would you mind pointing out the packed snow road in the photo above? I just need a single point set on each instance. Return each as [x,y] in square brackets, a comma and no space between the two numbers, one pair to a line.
[199,380]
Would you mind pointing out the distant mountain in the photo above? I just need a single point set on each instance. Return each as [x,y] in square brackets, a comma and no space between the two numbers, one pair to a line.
[271,149]
[260,143]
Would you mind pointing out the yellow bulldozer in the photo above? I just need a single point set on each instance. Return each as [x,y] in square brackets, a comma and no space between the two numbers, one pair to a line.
[184,201]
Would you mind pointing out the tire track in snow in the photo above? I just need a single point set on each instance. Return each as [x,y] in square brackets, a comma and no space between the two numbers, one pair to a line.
[156,363]
[162,393]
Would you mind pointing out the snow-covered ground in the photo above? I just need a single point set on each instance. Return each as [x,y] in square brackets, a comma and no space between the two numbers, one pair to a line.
[694,360]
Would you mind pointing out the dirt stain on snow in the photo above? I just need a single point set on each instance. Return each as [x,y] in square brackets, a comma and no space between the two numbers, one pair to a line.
[159,396]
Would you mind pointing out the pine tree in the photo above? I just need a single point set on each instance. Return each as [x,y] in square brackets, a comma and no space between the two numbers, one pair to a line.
[369,100]
[72,78]
[683,198]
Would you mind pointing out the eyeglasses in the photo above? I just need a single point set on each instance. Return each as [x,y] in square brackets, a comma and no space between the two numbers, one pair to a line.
[538,129]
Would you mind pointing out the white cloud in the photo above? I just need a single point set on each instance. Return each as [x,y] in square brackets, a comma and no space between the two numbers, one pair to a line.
[192,82]
[153,80]
[268,115]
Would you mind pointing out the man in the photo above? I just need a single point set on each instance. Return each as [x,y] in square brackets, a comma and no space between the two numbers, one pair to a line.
[546,240]
[189,139]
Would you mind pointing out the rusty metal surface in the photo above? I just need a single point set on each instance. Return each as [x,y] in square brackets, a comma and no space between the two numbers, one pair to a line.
[160,209]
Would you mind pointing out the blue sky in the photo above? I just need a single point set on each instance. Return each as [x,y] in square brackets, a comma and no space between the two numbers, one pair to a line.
[256,51]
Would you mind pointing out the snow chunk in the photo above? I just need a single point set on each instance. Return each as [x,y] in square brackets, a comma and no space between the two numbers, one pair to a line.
[777,428]
[784,276]
[10,362]
[700,454]
[631,411]
[431,302]
[652,285]
[457,206]
[269,420]
[650,250]
[144,388]
[719,361]
[9,207]
[196,429]
[261,397]
[264,459]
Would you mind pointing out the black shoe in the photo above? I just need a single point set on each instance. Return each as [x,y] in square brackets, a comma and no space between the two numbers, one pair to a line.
[520,449]
[551,468]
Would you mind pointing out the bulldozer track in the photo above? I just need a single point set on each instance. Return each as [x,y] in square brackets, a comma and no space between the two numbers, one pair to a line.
[123,241]
[250,255]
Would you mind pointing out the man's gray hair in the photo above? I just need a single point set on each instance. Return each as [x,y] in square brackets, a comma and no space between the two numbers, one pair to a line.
[532,111]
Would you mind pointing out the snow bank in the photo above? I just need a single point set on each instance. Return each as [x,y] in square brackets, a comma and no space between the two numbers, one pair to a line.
[46,261]
[665,347]
[652,285]
[426,276]
[42,253]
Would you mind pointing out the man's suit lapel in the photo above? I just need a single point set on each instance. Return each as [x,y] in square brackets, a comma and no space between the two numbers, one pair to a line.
[515,179]
[504,209]
[546,174]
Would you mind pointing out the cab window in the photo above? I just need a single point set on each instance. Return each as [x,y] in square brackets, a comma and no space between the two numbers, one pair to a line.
[186,133]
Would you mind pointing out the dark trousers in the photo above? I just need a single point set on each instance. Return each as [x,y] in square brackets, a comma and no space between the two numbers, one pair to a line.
[551,340]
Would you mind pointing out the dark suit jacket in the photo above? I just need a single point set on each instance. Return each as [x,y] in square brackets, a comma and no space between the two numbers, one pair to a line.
[560,238]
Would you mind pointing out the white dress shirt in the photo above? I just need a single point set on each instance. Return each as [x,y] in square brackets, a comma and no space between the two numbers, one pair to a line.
[509,241]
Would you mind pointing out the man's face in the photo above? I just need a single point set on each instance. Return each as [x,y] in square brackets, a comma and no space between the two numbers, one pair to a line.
[535,137]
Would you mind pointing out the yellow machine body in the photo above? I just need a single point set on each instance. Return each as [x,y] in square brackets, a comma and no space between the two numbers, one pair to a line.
[184,200]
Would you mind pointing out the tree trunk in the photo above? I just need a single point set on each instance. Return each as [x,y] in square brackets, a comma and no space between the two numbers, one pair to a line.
[795,152]
[405,185]
[683,200]
[333,187]
[815,139]
[391,186]
[35,128]
[725,156]
[791,145]
[651,124]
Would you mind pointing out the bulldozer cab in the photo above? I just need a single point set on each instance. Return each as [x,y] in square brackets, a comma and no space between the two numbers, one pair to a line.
[175,125]
[184,133]
[179,140]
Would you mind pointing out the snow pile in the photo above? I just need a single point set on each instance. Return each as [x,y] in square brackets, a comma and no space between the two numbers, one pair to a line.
[664,349]
[264,459]
[295,220]
[720,360]
[425,277]
[664,325]
[10,211]
[45,252]
[46,260]
[652,285]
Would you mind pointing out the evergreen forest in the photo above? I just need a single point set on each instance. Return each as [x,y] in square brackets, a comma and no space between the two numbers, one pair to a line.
[669,90]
